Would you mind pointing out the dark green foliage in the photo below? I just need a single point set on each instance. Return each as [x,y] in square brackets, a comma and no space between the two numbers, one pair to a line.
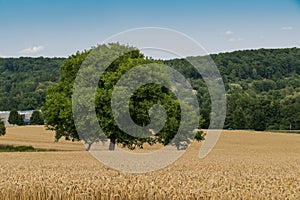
[23,81]
[2,128]
[199,135]
[239,121]
[263,87]
[15,118]
[290,113]
[37,118]
[11,148]
[258,120]
[58,108]
[266,80]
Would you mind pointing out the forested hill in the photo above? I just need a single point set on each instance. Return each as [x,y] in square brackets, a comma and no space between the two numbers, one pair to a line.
[273,64]
[23,81]
[263,86]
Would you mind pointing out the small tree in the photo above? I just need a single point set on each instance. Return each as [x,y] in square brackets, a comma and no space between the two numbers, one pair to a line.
[2,127]
[258,121]
[239,120]
[15,118]
[37,118]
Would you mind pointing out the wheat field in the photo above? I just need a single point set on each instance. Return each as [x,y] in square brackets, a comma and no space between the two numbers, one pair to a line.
[243,165]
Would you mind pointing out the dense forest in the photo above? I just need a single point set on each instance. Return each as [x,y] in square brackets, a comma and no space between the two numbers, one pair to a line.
[263,86]
[23,81]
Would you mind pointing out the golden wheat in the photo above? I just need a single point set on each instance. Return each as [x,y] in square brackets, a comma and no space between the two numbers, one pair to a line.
[243,165]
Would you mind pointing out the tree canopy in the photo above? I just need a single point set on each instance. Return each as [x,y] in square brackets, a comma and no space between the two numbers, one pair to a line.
[37,118]
[58,107]
[15,118]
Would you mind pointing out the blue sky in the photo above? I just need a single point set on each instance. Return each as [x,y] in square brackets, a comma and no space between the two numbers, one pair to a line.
[60,28]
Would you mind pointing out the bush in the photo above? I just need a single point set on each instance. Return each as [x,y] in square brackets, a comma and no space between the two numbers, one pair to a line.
[2,127]
[37,118]
[15,118]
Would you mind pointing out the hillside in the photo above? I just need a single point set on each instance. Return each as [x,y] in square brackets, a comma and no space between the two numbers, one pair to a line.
[23,81]
[263,86]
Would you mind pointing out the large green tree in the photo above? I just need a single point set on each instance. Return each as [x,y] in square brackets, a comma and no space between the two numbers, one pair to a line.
[58,108]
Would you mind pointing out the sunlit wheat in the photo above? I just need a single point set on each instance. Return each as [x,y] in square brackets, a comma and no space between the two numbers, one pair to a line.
[243,165]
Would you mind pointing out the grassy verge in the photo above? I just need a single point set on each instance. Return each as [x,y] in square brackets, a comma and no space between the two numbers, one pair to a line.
[11,148]
[286,131]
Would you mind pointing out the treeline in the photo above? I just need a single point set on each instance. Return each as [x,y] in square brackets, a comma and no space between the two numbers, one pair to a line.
[263,87]
[23,81]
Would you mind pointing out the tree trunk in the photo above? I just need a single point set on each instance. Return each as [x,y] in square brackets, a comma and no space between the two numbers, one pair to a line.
[112,143]
[89,146]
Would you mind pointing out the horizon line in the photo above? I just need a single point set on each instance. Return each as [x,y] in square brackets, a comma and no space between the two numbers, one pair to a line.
[209,53]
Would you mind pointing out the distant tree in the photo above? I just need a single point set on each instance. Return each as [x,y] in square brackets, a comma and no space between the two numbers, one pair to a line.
[2,127]
[239,121]
[199,134]
[258,121]
[289,111]
[37,118]
[15,118]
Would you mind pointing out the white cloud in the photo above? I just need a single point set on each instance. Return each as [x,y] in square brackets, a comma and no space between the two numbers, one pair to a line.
[229,32]
[287,28]
[32,50]
[235,39]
